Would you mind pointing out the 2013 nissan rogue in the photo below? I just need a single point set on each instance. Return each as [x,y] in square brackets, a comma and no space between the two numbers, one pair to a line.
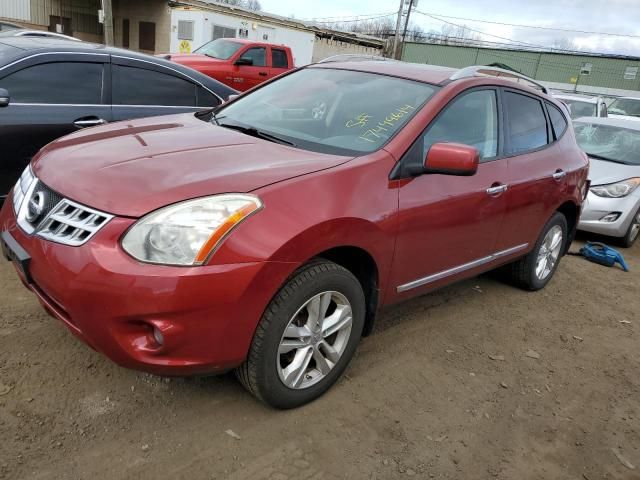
[265,235]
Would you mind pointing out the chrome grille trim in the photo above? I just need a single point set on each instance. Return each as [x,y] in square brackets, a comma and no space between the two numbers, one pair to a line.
[66,222]
[72,224]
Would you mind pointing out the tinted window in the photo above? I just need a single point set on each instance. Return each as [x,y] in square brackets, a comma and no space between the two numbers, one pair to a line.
[257,55]
[206,98]
[471,119]
[527,123]
[558,121]
[56,83]
[136,86]
[279,59]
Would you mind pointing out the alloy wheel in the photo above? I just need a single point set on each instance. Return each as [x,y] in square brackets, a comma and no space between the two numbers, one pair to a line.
[549,252]
[635,228]
[314,340]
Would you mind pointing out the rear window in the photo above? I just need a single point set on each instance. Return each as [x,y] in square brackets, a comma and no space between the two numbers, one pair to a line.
[527,123]
[580,109]
[279,58]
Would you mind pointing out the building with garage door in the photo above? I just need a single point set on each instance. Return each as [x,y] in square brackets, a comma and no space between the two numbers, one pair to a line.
[166,26]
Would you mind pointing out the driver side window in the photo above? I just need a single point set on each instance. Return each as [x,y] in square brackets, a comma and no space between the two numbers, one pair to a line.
[257,55]
[472,120]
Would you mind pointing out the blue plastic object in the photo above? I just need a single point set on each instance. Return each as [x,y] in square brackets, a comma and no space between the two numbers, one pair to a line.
[604,255]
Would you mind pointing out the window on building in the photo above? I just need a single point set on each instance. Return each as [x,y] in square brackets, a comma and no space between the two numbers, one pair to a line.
[279,58]
[257,55]
[585,69]
[631,73]
[138,86]
[147,36]
[558,121]
[185,30]
[243,33]
[49,83]
[471,119]
[527,123]
[125,33]
[223,32]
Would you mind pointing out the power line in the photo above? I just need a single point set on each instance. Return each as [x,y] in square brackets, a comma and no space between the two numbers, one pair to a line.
[534,26]
[362,19]
[338,18]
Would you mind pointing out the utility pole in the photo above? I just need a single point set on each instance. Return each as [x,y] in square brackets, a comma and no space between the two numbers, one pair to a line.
[397,35]
[108,22]
[406,25]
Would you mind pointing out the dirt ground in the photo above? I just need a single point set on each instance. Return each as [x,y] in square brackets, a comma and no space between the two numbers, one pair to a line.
[446,387]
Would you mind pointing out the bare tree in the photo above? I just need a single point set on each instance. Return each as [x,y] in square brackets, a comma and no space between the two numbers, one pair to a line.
[249,4]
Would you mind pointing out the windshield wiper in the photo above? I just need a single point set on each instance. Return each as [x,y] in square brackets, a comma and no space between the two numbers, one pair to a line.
[606,159]
[254,132]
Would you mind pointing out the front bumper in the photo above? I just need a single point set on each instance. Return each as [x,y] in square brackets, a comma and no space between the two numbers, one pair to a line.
[207,315]
[595,208]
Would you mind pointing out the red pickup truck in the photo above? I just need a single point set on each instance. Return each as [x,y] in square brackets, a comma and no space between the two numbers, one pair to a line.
[240,64]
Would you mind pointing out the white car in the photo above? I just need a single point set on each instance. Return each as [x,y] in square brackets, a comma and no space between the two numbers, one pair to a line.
[584,106]
[625,107]
[613,204]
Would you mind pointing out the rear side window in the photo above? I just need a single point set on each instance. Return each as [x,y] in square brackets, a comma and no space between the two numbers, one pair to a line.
[471,119]
[257,55]
[527,123]
[558,122]
[72,83]
[279,58]
[137,86]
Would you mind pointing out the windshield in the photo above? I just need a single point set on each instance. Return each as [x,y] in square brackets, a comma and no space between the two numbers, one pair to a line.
[626,106]
[607,142]
[220,48]
[581,109]
[329,110]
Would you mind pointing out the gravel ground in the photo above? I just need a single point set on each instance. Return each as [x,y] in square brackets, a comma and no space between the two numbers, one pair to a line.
[479,380]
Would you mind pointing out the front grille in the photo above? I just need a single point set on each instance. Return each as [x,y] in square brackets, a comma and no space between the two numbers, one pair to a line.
[45,213]
[71,223]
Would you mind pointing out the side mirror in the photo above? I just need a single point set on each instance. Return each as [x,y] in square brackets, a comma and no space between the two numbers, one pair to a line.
[5,99]
[452,159]
[244,61]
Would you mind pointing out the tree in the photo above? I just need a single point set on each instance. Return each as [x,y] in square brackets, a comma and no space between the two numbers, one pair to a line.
[249,4]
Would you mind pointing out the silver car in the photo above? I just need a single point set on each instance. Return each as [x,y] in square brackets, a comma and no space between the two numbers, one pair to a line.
[584,106]
[613,203]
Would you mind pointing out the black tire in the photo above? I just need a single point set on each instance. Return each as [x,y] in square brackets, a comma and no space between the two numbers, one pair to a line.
[259,374]
[522,273]
[628,240]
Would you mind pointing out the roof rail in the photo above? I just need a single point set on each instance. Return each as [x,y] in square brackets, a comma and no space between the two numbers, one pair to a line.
[482,70]
[354,57]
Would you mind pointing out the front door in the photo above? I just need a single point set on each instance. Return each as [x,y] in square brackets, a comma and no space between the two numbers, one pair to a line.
[253,74]
[43,107]
[448,225]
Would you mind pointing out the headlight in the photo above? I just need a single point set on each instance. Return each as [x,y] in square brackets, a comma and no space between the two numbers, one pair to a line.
[22,187]
[187,233]
[617,190]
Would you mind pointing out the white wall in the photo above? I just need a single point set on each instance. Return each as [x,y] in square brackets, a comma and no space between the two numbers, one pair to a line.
[16,9]
[300,42]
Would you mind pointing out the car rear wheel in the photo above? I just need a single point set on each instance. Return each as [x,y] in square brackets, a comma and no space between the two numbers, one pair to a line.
[535,270]
[306,337]
[634,231]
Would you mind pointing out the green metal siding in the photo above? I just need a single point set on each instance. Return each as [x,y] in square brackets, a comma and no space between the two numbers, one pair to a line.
[606,72]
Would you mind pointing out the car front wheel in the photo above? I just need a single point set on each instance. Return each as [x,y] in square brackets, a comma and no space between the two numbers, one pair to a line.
[634,231]
[306,337]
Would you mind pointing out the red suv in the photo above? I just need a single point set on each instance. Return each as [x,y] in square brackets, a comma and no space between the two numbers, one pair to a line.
[264,236]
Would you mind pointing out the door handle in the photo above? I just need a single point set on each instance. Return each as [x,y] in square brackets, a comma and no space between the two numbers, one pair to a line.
[559,175]
[497,189]
[262,74]
[89,122]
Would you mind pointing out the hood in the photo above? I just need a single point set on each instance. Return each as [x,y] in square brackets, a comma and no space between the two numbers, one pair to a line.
[131,168]
[602,172]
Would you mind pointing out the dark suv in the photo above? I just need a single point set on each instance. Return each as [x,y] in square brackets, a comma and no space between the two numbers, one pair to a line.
[51,87]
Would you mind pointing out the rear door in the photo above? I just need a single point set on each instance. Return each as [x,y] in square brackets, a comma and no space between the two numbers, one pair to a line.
[279,61]
[448,225]
[144,89]
[536,175]
[51,96]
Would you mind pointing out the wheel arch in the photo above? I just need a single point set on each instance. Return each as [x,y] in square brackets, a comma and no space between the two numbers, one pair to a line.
[571,212]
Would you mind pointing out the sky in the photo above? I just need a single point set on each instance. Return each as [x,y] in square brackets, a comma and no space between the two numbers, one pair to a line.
[610,16]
